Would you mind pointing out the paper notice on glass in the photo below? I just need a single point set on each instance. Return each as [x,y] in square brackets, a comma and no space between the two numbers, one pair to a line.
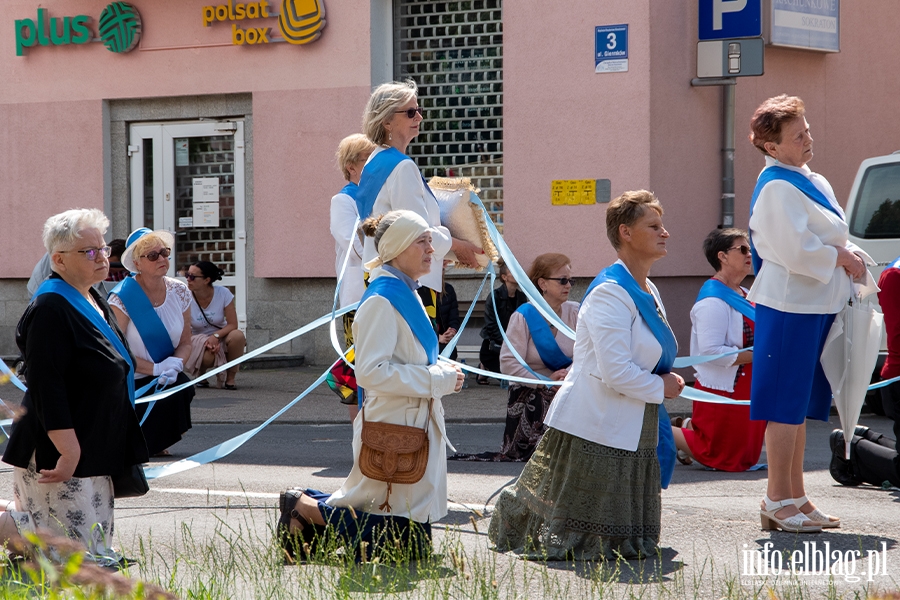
[182,157]
[206,189]
[206,214]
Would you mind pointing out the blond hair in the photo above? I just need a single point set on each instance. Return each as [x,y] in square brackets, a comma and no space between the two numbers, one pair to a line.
[351,150]
[383,103]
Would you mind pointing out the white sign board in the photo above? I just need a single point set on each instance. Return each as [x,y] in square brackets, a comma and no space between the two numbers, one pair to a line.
[206,202]
[182,158]
[811,25]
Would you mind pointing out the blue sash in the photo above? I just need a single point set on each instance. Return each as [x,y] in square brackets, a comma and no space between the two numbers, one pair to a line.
[410,308]
[894,265]
[151,329]
[799,181]
[79,303]
[546,345]
[373,178]
[350,189]
[713,288]
[646,305]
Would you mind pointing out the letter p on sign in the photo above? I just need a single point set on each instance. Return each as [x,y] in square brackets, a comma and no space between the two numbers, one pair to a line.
[721,7]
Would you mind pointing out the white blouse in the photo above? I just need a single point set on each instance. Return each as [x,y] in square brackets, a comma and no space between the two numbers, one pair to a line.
[215,312]
[519,335]
[170,312]
[716,328]
[405,189]
[343,215]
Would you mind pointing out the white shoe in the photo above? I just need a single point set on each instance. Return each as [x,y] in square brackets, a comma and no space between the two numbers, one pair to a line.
[817,516]
[798,523]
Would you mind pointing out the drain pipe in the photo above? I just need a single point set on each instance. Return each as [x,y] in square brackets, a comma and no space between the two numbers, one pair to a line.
[727,84]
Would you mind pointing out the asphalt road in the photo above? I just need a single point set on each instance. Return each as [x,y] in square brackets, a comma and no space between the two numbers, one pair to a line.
[710,519]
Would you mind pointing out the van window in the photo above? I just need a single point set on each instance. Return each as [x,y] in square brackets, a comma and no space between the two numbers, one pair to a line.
[876,213]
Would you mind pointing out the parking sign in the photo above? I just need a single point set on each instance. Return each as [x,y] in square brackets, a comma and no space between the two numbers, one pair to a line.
[728,19]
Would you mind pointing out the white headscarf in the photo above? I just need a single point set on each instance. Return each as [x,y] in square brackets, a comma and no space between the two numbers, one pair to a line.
[405,230]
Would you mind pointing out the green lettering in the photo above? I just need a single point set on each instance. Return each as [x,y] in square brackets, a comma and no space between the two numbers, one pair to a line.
[81,33]
[26,35]
[41,27]
[66,36]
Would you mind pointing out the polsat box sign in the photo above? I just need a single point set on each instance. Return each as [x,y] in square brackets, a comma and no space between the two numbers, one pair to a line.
[119,25]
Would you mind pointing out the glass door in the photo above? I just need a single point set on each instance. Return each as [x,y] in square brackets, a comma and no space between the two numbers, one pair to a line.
[188,178]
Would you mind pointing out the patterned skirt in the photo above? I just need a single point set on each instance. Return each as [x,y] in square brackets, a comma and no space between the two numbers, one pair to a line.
[80,508]
[577,500]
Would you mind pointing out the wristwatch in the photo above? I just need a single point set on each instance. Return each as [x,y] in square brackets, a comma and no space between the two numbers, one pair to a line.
[216,335]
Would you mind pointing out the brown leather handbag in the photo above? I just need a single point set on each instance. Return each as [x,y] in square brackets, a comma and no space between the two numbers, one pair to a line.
[393,453]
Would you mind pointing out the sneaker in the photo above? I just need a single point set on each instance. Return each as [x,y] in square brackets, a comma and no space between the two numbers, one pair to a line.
[840,468]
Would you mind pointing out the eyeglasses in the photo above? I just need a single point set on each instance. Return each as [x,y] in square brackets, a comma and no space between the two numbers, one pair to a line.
[411,112]
[562,280]
[91,253]
[745,250]
[191,277]
[154,256]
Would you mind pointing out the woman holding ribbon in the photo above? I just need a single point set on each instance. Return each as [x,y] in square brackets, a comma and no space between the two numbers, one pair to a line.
[722,436]
[396,363]
[591,490]
[215,337]
[79,428]
[547,354]
[391,180]
[154,311]
[352,153]
[804,264]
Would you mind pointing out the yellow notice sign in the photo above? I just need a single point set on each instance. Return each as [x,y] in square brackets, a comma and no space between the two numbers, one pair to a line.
[573,191]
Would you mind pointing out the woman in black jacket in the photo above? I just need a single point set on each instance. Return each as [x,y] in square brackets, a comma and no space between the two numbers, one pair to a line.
[507,297]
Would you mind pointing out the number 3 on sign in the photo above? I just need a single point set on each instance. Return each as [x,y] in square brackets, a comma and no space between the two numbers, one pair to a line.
[611,41]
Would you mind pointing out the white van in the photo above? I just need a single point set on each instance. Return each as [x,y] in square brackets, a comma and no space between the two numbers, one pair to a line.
[873,212]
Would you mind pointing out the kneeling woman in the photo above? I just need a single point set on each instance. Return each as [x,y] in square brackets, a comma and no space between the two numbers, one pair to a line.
[396,364]
[592,488]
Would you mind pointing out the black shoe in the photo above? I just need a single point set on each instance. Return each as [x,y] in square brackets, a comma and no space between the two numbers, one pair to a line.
[840,468]
[303,540]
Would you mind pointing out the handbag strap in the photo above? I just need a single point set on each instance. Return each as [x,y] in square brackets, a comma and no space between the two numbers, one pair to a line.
[203,312]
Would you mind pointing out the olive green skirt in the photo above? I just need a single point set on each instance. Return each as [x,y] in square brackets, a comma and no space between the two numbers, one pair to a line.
[577,500]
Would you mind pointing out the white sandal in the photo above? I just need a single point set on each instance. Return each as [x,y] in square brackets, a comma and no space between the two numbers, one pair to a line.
[817,516]
[792,524]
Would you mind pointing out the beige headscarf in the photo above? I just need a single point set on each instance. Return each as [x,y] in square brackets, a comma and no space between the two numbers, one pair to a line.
[405,230]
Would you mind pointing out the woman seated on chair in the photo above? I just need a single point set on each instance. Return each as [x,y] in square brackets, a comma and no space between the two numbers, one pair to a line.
[154,312]
[215,337]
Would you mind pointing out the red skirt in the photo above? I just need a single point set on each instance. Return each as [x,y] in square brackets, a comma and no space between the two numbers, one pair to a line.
[723,436]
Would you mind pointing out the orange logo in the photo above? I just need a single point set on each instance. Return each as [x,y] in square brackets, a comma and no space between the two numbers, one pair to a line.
[301,21]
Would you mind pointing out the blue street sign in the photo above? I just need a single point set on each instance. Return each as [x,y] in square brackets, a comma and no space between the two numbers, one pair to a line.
[728,19]
[611,49]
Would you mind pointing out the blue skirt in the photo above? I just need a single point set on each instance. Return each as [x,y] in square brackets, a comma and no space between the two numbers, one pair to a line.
[789,384]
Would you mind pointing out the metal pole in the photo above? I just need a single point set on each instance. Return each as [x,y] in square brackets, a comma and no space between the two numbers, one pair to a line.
[728,156]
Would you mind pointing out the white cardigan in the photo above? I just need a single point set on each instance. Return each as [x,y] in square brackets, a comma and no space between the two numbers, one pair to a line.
[795,237]
[716,328]
[602,398]
[343,215]
[393,368]
[404,189]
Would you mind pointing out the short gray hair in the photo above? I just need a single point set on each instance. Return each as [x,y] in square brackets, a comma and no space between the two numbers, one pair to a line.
[386,99]
[66,227]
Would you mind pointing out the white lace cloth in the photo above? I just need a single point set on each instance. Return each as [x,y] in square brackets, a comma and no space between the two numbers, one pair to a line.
[171,313]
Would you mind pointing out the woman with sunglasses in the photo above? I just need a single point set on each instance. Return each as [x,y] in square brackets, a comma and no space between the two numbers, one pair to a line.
[391,181]
[154,311]
[215,337]
[547,352]
[722,436]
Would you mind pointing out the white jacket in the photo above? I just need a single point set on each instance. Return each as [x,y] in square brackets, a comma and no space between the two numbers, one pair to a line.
[404,189]
[393,368]
[602,398]
[343,216]
[795,237]
[716,328]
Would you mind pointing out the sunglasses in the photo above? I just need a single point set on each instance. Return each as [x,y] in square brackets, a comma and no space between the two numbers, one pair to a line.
[191,277]
[411,112]
[562,280]
[154,256]
[91,253]
[745,250]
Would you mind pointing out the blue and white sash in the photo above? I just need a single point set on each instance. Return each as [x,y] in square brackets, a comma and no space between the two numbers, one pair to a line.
[405,302]
[373,178]
[80,303]
[646,305]
[713,288]
[894,265]
[351,189]
[544,341]
[151,329]
[799,181]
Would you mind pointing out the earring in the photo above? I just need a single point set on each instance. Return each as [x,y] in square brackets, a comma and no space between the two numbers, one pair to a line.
[390,136]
